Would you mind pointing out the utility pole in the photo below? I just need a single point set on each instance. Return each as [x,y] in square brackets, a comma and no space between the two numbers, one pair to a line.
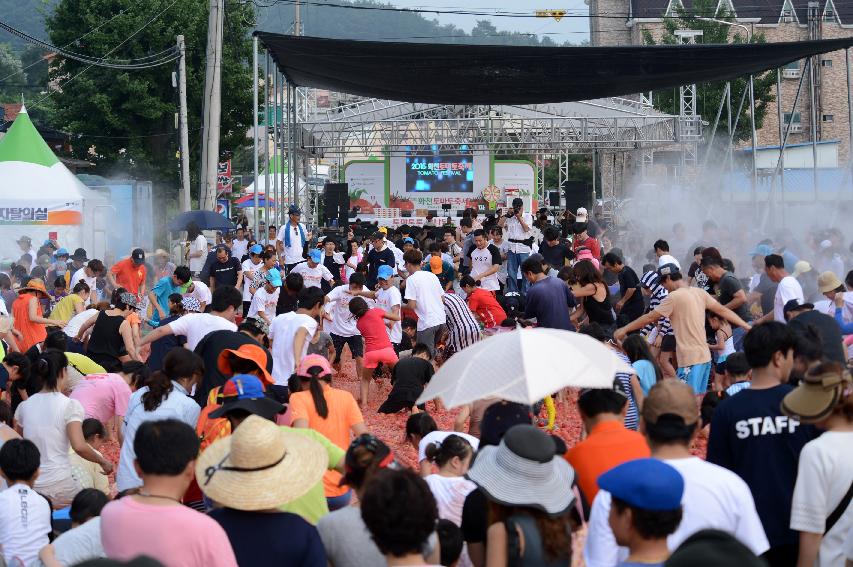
[182,119]
[297,21]
[212,105]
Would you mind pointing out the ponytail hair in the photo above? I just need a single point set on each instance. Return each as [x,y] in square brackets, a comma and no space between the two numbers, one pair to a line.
[48,367]
[452,446]
[316,389]
[358,307]
[179,363]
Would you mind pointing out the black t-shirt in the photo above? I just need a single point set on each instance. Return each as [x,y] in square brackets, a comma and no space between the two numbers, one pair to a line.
[225,273]
[161,347]
[279,539]
[751,437]
[828,330]
[287,302]
[628,279]
[412,374]
[727,287]
[376,258]
[475,521]
[767,288]
[555,256]
[209,349]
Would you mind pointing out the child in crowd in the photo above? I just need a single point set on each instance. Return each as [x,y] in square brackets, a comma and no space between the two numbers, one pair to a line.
[83,541]
[59,291]
[738,374]
[408,380]
[88,474]
[321,343]
[638,352]
[24,513]
[646,508]
[723,347]
[410,334]
[452,455]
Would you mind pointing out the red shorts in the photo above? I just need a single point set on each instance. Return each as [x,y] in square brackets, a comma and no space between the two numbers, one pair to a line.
[387,355]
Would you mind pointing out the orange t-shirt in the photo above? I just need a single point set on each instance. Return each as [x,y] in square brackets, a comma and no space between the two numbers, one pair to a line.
[487,308]
[128,275]
[609,444]
[33,333]
[336,426]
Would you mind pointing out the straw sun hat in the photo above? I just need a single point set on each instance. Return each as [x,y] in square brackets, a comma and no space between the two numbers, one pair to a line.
[35,284]
[260,466]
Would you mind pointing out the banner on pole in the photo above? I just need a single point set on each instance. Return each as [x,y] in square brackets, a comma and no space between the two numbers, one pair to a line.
[224,179]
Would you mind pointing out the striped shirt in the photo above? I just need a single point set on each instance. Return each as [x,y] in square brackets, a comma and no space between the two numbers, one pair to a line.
[659,293]
[463,330]
[632,416]
[737,387]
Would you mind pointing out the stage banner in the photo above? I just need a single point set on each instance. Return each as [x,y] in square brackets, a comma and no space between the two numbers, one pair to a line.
[37,211]
[366,180]
[516,179]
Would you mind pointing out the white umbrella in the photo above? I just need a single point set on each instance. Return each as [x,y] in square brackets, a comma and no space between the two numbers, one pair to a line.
[524,366]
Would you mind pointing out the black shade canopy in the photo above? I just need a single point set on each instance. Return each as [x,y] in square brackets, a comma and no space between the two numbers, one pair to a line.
[497,74]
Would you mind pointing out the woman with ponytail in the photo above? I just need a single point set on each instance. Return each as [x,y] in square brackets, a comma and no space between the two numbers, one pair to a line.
[55,423]
[112,342]
[330,411]
[452,456]
[165,395]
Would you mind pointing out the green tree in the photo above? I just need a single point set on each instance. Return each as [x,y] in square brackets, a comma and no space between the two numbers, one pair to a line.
[710,94]
[12,78]
[124,120]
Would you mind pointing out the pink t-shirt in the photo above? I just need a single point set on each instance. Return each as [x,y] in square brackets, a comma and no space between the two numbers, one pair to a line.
[177,536]
[102,396]
[372,327]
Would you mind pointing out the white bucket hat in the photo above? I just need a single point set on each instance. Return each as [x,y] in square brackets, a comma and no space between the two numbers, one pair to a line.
[524,470]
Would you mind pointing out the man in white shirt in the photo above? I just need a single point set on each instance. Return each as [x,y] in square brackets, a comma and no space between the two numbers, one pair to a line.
[223,309]
[291,239]
[313,271]
[787,288]
[266,297]
[89,274]
[252,264]
[24,513]
[662,252]
[239,246]
[485,262]
[291,332]
[517,226]
[200,291]
[342,327]
[714,497]
[424,296]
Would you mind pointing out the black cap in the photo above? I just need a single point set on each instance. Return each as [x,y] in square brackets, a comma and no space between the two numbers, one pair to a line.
[707,548]
[795,305]
[138,255]
[80,255]
[517,202]
[668,270]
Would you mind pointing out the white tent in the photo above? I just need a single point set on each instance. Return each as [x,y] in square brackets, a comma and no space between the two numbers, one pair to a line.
[40,196]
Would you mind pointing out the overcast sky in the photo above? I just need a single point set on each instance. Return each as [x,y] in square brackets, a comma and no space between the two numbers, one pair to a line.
[574,29]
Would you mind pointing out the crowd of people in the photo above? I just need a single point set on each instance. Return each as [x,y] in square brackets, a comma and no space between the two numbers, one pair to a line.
[222,376]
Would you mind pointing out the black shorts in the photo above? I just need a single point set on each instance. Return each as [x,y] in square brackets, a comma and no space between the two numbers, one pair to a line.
[667,344]
[356,345]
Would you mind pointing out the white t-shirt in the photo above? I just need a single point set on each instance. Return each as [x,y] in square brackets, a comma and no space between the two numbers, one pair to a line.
[482,261]
[513,230]
[824,475]
[73,326]
[714,498]
[449,493]
[426,290]
[24,524]
[387,299]
[264,301]
[248,267]
[79,544]
[195,326]
[80,276]
[789,288]
[239,248]
[668,259]
[342,323]
[439,436]
[201,292]
[311,277]
[198,245]
[44,417]
[282,333]
[292,253]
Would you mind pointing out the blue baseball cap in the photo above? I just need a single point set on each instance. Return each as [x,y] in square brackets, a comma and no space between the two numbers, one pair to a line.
[408,240]
[762,250]
[385,273]
[247,392]
[61,252]
[256,249]
[273,277]
[294,210]
[316,256]
[647,484]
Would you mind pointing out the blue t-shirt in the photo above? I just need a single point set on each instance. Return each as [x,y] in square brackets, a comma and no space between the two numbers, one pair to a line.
[163,289]
[277,539]
[549,301]
[751,437]
[645,370]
